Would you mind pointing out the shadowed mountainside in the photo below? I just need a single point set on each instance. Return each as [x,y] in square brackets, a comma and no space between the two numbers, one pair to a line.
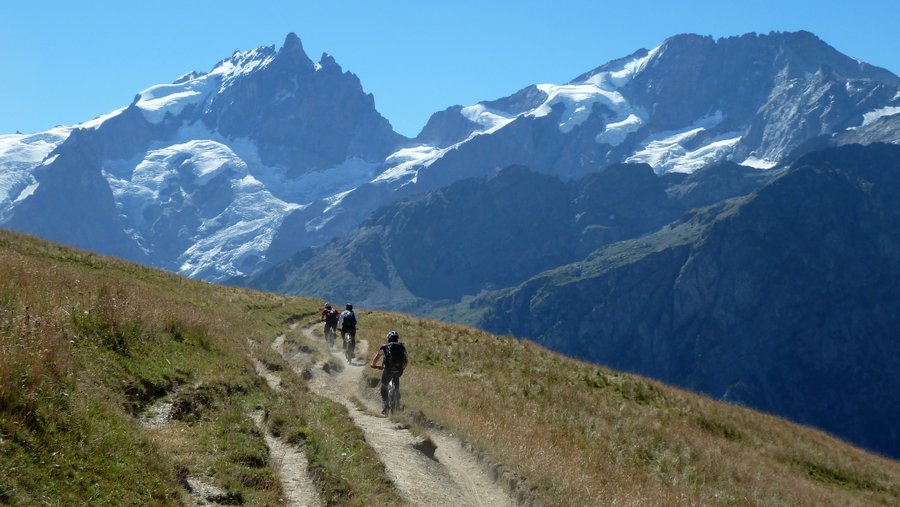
[786,300]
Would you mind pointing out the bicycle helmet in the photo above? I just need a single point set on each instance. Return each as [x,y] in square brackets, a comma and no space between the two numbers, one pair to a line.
[393,336]
[328,305]
[349,306]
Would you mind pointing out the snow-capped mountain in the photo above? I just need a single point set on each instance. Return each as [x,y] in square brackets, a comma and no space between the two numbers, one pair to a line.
[758,100]
[221,173]
[196,176]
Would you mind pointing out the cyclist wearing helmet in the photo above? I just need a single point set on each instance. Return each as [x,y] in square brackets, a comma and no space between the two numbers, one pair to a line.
[330,317]
[394,361]
[347,325]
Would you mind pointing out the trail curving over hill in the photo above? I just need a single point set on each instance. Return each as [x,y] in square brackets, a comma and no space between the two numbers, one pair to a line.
[453,477]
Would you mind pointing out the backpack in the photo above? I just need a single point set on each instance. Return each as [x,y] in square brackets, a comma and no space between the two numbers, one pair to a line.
[394,355]
[349,320]
[331,316]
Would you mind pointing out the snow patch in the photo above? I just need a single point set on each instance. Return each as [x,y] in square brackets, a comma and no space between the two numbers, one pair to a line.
[96,122]
[335,200]
[20,155]
[491,119]
[759,163]
[619,78]
[26,192]
[668,151]
[578,100]
[873,116]
[404,163]
[616,133]
[158,101]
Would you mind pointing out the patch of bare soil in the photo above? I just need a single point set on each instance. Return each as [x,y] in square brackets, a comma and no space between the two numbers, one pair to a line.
[158,414]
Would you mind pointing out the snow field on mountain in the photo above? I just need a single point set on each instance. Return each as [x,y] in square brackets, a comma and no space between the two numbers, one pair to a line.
[616,132]
[20,154]
[404,163]
[486,117]
[871,117]
[170,178]
[157,101]
[668,152]
[578,100]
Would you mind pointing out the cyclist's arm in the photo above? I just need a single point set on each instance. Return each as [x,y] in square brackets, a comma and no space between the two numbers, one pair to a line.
[375,359]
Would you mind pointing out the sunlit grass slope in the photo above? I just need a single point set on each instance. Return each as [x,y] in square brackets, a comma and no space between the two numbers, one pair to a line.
[586,435]
[87,343]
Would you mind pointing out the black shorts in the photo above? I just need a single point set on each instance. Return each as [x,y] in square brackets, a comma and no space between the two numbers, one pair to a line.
[351,331]
[387,375]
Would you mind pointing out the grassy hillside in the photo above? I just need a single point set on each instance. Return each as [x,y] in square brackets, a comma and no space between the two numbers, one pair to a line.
[88,345]
[586,435]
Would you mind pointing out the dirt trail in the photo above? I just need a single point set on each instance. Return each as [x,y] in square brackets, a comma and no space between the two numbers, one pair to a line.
[292,468]
[288,461]
[453,478]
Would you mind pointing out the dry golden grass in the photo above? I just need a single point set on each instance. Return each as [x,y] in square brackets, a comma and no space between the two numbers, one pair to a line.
[87,343]
[586,435]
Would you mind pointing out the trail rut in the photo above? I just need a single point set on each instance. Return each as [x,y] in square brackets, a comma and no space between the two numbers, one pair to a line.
[288,461]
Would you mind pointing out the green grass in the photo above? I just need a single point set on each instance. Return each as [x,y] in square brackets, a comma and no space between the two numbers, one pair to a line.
[88,343]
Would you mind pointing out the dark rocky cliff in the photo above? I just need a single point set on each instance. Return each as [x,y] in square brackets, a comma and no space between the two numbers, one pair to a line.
[787,300]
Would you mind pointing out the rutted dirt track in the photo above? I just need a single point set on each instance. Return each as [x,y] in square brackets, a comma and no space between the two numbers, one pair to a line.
[290,462]
[452,478]
[292,468]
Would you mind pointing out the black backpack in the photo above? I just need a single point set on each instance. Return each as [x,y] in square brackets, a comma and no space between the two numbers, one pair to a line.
[394,355]
[349,321]
[331,316]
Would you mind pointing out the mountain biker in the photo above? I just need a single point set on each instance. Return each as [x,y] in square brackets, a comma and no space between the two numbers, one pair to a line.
[330,317]
[347,325]
[394,361]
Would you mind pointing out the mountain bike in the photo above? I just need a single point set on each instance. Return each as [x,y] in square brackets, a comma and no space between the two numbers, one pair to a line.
[329,336]
[349,347]
[393,393]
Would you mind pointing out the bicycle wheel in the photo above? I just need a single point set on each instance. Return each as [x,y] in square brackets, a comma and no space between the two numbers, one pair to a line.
[329,338]
[348,348]
[393,397]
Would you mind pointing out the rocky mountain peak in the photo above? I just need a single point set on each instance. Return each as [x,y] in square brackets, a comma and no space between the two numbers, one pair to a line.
[292,43]
[292,50]
[328,62]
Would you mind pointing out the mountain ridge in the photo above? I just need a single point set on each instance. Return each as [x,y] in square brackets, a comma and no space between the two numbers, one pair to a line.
[303,142]
[770,300]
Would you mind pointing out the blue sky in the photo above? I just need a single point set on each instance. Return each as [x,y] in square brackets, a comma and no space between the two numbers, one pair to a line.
[65,62]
